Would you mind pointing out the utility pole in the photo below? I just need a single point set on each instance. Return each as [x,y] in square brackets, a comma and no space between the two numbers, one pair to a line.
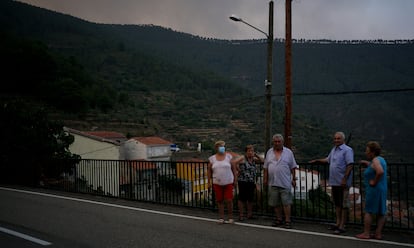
[269,75]
[269,79]
[288,76]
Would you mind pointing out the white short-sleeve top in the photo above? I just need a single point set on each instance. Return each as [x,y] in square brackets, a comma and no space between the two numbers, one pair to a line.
[222,172]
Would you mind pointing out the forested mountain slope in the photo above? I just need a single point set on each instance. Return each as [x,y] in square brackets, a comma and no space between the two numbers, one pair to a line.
[148,80]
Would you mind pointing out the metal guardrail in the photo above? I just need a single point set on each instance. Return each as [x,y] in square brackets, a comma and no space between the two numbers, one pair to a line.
[185,184]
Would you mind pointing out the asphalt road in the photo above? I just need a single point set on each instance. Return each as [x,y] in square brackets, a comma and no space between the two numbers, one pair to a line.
[51,219]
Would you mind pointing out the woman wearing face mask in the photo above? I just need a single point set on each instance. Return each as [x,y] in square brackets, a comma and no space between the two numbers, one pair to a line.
[222,177]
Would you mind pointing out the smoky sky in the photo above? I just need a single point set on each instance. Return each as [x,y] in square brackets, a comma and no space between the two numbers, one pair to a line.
[311,19]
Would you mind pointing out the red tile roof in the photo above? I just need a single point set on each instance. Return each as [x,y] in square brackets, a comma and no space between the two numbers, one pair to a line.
[107,134]
[116,141]
[153,140]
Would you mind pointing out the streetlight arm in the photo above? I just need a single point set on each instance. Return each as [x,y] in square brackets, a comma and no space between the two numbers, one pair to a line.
[237,19]
[263,32]
[268,84]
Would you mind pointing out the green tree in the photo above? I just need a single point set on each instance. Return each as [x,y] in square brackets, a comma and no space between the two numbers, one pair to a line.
[32,145]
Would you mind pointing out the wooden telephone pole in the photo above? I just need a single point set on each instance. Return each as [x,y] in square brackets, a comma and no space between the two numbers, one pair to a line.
[288,75]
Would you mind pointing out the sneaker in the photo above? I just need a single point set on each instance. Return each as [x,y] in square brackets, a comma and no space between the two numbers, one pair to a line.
[231,221]
[220,221]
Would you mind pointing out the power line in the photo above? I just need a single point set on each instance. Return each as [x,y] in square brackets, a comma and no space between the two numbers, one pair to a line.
[97,150]
[254,98]
[350,92]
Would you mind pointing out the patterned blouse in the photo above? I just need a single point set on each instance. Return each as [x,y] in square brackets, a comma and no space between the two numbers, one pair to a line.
[247,171]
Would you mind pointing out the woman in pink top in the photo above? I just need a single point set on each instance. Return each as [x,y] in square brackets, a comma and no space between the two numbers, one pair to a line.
[221,177]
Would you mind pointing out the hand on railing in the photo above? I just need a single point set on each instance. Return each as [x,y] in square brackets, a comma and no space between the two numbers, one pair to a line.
[364,162]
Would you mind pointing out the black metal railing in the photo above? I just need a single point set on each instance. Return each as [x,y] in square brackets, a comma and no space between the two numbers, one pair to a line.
[185,184]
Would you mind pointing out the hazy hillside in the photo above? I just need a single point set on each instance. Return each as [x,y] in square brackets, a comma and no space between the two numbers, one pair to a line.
[186,88]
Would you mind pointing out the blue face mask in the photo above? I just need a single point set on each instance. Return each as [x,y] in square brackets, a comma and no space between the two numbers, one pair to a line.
[221,149]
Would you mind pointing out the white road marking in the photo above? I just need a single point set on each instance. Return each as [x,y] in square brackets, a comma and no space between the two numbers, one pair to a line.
[206,219]
[24,236]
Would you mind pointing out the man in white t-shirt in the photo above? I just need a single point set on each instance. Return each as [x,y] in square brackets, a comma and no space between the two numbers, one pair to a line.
[280,175]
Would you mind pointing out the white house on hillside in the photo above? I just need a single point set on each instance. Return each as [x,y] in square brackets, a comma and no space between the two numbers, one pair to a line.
[118,175]
[307,180]
[97,145]
[102,145]
[147,148]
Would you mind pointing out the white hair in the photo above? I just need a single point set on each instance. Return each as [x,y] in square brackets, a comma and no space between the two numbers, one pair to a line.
[278,136]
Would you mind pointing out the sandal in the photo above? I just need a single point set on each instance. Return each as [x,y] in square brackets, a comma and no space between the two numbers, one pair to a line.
[288,225]
[277,223]
[362,236]
[332,227]
[339,231]
[375,236]
[379,237]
